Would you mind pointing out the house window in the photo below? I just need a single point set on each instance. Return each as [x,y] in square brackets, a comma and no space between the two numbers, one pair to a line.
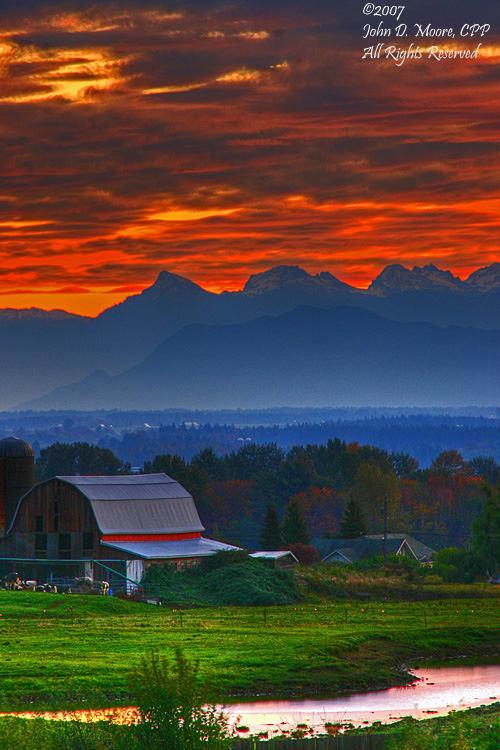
[41,545]
[38,524]
[64,546]
[88,544]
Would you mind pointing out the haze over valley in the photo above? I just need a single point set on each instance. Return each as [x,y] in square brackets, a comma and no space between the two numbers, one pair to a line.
[414,337]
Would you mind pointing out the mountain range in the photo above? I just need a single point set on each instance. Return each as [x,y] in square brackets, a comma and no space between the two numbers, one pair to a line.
[344,355]
[46,355]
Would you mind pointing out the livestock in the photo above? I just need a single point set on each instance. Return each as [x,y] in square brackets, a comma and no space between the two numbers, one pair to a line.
[12,581]
[83,585]
[29,585]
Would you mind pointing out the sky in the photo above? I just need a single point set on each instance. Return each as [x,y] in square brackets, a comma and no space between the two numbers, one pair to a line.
[218,139]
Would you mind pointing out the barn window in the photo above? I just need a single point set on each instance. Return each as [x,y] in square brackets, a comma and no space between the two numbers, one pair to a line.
[38,523]
[88,544]
[64,546]
[41,545]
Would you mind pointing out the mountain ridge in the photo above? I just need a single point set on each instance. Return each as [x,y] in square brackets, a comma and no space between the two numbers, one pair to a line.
[309,356]
[54,348]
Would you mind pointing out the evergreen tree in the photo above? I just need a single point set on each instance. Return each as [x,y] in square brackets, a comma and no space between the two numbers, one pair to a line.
[271,532]
[294,526]
[352,524]
[485,541]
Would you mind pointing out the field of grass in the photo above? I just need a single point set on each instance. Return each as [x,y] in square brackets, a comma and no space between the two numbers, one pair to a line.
[52,645]
[477,729]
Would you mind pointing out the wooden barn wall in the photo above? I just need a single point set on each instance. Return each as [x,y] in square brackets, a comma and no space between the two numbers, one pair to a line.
[64,510]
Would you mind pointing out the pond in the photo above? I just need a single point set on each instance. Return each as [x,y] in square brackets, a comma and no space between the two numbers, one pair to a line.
[438,690]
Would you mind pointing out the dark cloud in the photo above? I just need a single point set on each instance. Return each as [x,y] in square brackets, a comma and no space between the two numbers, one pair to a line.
[133,129]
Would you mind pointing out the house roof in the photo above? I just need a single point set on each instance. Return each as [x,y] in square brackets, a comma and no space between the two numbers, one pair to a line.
[373,546]
[137,504]
[348,554]
[274,554]
[171,550]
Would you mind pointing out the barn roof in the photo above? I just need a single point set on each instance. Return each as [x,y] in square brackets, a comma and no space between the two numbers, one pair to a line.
[170,550]
[139,504]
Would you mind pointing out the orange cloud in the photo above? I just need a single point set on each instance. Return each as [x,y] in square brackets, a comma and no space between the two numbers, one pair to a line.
[218,143]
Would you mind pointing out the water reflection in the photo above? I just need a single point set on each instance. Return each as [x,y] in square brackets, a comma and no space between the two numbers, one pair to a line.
[438,691]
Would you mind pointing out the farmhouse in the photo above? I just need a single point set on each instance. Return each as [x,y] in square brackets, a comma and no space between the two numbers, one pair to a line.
[369,546]
[137,519]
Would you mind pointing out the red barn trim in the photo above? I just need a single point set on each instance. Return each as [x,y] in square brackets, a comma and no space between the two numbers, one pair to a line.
[150,537]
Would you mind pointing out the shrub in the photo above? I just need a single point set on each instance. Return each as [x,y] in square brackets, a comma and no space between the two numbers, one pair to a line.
[175,707]
[250,582]
[220,560]
[305,554]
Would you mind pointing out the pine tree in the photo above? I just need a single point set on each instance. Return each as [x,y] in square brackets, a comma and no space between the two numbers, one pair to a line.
[352,524]
[294,526]
[271,533]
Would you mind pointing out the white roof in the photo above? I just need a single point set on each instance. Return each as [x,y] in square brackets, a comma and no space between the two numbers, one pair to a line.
[170,550]
[274,554]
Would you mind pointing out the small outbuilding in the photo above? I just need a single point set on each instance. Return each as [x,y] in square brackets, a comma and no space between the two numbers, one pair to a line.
[281,559]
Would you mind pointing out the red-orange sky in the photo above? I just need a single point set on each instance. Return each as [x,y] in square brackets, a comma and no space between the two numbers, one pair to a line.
[216,140]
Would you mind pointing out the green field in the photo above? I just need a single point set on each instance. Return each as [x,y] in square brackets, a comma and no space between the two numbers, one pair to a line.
[52,644]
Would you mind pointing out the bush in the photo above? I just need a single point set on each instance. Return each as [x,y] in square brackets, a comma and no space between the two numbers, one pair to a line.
[305,554]
[250,582]
[175,707]
[220,560]
[459,565]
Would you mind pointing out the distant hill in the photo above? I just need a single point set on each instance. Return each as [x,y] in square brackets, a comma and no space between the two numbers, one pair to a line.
[55,348]
[310,356]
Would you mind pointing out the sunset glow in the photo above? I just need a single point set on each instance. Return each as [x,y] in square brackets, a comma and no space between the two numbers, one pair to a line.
[218,141]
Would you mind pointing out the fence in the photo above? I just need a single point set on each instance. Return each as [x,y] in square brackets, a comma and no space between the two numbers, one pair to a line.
[64,573]
[340,742]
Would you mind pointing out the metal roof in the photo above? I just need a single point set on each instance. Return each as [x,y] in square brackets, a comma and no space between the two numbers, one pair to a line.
[139,504]
[373,545]
[274,554]
[127,487]
[171,550]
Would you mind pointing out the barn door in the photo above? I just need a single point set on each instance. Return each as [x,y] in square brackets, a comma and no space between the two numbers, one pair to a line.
[135,571]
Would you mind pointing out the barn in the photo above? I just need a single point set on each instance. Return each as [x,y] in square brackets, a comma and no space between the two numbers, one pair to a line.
[136,519]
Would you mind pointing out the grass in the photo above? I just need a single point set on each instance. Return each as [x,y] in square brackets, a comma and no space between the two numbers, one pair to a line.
[477,729]
[55,646]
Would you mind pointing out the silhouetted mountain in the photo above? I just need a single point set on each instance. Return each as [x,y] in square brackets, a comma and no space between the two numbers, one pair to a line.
[314,357]
[397,278]
[56,348]
[485,279]
[296,279]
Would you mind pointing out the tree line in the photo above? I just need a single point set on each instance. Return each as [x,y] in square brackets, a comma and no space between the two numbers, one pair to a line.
[326,484]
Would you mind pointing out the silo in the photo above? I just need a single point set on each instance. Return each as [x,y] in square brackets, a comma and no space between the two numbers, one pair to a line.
[17,476]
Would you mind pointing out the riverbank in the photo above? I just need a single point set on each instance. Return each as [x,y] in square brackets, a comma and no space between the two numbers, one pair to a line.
[60,651]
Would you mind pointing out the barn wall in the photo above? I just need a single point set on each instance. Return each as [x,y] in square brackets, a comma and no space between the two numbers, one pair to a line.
[50,510]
